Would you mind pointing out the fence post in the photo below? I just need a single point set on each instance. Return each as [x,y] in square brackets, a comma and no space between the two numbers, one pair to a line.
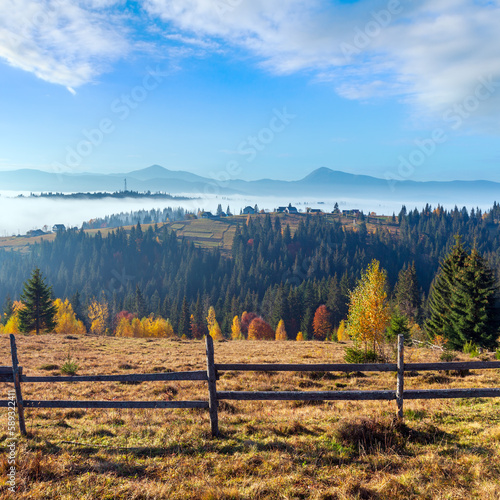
[17,384]
[212,386]
[401,377]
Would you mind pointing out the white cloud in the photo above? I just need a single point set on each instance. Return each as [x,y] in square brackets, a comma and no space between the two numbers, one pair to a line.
[63,42]
[430,53]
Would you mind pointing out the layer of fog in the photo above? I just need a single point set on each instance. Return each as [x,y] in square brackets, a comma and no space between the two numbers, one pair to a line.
[19,215]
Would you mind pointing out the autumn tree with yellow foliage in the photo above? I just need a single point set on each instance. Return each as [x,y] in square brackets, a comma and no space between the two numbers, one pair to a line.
[12,324]
[369,314]
[236,329]
[280,331]
[65,319]
[146,327]
[341,332]
[98,314]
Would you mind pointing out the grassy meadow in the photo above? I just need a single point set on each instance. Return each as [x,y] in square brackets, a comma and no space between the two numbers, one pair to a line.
[447,449]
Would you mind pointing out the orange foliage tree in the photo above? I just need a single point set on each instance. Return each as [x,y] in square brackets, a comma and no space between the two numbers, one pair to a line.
[321,323]
[246,319]
[260,330]
[197,329]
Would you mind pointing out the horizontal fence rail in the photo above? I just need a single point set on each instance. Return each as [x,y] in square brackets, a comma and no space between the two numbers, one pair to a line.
[139,377]
[111,404]
[14,374]
[337,367]
[306,395]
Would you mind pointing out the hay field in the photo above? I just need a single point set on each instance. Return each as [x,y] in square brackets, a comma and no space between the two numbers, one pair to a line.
[448,449]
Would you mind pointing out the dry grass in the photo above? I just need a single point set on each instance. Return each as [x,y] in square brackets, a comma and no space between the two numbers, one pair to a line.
[269,450]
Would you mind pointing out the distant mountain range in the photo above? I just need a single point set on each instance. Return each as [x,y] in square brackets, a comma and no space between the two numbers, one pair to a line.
[322,182]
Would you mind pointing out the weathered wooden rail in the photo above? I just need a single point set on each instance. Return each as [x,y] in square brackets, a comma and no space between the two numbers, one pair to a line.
[14,374]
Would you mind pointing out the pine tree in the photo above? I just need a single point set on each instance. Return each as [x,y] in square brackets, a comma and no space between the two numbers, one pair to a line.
[398,326]
[184,319]
[39,311]
[475,315]
[406,291]
[441,295]
[140,303]
[8,310]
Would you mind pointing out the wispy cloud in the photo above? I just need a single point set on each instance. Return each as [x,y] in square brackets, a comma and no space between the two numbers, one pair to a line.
[63,42]
[429,53]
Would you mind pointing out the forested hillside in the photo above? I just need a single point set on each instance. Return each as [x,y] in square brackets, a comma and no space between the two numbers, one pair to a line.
[272,272]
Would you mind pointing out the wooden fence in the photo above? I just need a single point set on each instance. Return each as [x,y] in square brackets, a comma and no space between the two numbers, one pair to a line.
[211,375]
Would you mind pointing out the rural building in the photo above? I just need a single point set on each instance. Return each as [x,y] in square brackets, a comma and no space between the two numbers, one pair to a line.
[35,232]
[248,210]
[58,227]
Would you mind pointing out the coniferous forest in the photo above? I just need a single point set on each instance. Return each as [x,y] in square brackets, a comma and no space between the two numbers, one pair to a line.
[271,272]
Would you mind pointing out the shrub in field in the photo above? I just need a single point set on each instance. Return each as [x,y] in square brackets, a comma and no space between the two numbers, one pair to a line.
[365,435]
[471,349]
[69,367]
[447,356]
[355,355]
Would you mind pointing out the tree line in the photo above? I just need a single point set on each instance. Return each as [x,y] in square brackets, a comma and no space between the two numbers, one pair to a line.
[271,272]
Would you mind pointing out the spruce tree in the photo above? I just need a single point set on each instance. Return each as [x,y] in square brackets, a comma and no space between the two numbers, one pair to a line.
[406,292]
[440,298]
[475,316]
[463,301]
[184,319]
[140,303]
[39,310]
[8,310]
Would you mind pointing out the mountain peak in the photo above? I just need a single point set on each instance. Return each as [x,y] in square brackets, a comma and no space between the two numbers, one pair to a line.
[152,171]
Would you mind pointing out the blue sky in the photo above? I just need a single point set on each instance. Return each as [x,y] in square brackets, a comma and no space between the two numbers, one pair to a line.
[252,88]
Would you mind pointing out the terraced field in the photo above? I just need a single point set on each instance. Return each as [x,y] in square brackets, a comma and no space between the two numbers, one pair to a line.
[206,233]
